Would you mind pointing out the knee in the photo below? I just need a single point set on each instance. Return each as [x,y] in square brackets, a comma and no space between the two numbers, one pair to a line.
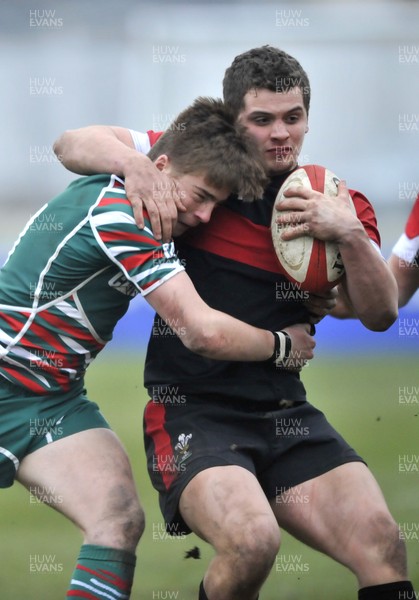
[121,523]
[255,546]
[394,547]
[386,544]
[132,522]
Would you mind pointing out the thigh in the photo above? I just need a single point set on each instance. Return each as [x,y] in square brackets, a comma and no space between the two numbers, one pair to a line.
[227,507]
[303,446]
[183,441]
[333,512]
[85,476]
[29,422]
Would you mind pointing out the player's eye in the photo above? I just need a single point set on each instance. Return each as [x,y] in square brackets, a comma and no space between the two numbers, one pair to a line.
[261,119]
[293,118]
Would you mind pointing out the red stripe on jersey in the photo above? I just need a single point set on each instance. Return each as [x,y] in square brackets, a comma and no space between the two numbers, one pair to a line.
[15,324]
[154,418]
[232,236]
[70,330]
[118,236]
[106,201]
[153,136]
[23,380]
[131,262]
[139,238]
[45,336]
[118,184]
[412,225]
[145,286]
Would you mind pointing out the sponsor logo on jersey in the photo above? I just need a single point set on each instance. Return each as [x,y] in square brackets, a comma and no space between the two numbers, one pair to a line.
[121,284]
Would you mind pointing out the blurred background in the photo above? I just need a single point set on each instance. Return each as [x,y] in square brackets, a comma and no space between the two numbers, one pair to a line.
[138,63]
[134,63]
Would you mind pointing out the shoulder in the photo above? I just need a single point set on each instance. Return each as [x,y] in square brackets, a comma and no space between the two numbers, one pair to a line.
[412,224]
[366,214]
[144,141]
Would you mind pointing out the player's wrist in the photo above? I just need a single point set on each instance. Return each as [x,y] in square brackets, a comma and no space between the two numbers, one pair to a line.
[352,234]
[130,162]
[282,348]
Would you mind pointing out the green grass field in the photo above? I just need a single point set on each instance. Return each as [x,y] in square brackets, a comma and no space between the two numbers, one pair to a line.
[362,398]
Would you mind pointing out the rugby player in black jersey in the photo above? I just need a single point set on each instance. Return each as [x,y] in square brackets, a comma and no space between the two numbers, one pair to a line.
[244,445]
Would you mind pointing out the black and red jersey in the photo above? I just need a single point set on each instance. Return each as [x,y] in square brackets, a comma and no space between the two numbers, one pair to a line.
[407,246]
[233,266]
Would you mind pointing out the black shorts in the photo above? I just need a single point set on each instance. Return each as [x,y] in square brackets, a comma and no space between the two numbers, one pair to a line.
[282,447]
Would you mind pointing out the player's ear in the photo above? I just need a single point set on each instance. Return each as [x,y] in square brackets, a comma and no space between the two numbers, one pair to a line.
[307,128]
[162,162]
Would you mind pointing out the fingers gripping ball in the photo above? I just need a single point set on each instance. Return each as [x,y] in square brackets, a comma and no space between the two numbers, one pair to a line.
[313,265]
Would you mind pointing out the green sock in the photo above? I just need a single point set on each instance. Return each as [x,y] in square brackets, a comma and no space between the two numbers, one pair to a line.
[102,573]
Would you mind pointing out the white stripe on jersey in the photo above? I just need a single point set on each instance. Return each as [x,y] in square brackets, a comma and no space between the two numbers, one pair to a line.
[5,337]
[10,456]
[27,355]
[33,373]
[70,311]
[141,141]
[25,229]
[79,316]
[112,218]
[158,283]
[87,322]
[75,346]
[144,274]
[117,250]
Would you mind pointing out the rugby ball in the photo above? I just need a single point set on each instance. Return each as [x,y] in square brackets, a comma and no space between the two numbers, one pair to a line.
[312,265]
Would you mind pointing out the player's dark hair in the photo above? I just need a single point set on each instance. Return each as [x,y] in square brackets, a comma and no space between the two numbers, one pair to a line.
[263,68]
[206,140]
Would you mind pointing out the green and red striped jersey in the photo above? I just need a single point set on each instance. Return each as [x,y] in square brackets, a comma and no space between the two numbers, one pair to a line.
[68,280]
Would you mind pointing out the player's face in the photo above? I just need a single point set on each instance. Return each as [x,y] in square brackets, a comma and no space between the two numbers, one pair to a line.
[199,199]
[278,122]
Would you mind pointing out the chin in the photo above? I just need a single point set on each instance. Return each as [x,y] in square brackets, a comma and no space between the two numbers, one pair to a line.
[179,229]
[280,167]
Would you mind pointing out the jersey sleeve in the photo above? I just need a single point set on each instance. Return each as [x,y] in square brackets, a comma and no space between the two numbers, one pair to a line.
[407,246]
[145,261]
[366,215]
[143,141]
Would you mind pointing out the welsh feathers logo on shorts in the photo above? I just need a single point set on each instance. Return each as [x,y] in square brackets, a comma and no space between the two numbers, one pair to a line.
[182,448]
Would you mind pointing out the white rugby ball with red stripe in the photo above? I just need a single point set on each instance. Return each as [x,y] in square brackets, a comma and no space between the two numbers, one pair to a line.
[311,264]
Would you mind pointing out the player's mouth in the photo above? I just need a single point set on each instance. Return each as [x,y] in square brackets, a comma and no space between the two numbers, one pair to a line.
[281,152]
[180,227]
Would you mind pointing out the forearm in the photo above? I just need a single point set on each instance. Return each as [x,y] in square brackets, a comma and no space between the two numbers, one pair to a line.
[96,149]
[369,283]
[343,308]
[103,149]
[407,278]
[221,337]
[206,331]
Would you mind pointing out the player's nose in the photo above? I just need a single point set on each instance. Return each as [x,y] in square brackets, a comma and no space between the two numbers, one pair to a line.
[279,130]
[204,212]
